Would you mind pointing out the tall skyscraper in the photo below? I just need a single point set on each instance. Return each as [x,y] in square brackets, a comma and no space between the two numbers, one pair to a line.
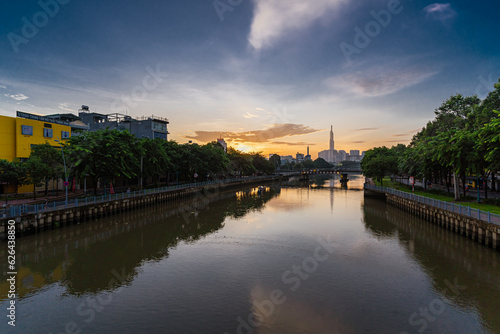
[330,155]
[332,143]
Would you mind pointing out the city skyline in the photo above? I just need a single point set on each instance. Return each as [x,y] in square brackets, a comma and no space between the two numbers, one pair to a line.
[264,75]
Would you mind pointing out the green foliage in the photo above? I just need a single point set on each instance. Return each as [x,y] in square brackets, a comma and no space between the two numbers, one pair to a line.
[275,159]
[13,172]
[322,163]
[379,162]
[104,154]
[464,139]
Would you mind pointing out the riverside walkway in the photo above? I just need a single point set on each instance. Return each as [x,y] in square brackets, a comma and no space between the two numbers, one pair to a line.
[447,206]
[25,208]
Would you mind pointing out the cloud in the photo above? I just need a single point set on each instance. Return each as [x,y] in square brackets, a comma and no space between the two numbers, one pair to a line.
[440,11]
[256,136]
[3,87]
[380,80]
[358,142]
[275,18]
[366,129]
[250,115]
[292,144]
[65,107]
[17,97]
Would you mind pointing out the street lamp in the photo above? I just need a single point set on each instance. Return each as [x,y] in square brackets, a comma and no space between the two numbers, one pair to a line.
[65,173]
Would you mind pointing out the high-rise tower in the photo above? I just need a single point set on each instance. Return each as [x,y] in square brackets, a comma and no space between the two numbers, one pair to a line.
[332,143]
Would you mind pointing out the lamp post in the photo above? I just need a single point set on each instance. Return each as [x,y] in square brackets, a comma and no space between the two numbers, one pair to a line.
[65,173]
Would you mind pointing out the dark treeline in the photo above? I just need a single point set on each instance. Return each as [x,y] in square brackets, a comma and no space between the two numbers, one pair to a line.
[462,140]
[111,156]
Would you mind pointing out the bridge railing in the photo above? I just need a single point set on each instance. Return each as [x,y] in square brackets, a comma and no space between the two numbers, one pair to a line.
[452,207]
[17,210]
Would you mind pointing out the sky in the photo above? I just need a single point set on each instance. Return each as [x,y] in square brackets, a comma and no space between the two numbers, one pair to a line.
[267,75]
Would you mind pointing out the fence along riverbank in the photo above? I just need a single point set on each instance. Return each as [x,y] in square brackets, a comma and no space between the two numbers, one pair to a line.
[37,218]
[481,226]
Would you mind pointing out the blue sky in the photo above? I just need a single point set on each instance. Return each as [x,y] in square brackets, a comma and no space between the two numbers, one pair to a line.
[268,75]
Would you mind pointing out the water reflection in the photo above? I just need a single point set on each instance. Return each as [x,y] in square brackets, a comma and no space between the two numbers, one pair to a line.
[85,258]
[219,257]
[464,272]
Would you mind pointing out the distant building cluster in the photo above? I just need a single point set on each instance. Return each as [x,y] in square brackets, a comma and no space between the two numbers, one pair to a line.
[331,155]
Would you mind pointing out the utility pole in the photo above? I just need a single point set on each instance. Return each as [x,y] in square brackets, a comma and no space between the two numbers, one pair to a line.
[456,186]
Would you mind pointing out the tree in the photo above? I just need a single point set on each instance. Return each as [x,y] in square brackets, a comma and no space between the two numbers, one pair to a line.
[13,173]
[37,171]
[104,154]
[262,164]
[379,162]
[240,162]
[322,163]
[156,161]
[275,159]
[51,158]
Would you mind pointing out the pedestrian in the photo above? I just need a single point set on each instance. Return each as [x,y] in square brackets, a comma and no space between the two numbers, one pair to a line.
[46,204]
[128,190]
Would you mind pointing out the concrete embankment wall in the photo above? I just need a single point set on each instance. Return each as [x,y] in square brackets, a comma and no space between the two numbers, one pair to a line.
[30,223]
[475,229]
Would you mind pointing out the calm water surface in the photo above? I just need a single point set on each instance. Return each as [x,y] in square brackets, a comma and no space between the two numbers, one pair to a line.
[296,259]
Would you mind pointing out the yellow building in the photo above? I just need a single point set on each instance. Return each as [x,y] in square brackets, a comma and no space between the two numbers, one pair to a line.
[19,134]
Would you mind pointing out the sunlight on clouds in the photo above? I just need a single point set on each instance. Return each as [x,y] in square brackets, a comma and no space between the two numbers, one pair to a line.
[271,132]
[275,18]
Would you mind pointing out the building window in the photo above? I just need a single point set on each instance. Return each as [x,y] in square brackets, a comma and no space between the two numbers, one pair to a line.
[27,130]
[157,126]
[47,133]
[160,135]
[64,134]
[47,125]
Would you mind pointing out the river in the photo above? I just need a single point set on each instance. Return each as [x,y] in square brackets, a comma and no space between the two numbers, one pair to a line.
[295,258]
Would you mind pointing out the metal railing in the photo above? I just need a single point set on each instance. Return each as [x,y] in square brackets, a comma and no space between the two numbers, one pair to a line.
[452,207]
[17,210]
